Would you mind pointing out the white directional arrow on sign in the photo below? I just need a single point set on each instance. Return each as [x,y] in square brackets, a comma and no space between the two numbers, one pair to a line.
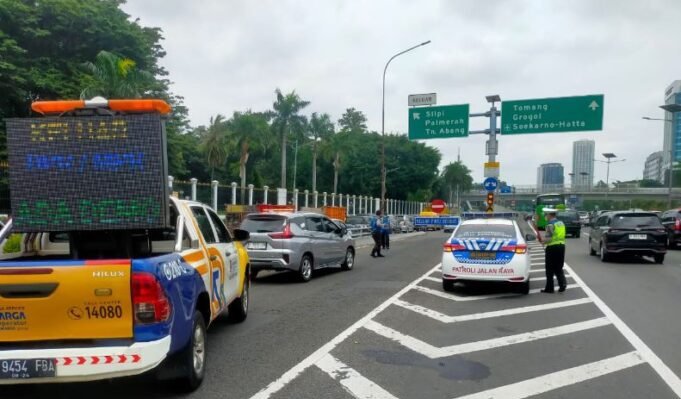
[593,105]
[417,116]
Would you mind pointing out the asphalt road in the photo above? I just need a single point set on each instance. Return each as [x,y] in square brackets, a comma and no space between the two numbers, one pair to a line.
[387,330]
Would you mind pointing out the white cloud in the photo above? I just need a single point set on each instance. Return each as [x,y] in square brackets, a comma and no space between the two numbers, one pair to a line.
[231,55]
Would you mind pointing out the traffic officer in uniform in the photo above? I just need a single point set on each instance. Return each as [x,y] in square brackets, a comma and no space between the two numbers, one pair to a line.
[376,225]
[554,237]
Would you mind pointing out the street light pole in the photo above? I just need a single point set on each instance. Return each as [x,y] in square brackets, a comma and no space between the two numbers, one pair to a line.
[383,172]
[609,156]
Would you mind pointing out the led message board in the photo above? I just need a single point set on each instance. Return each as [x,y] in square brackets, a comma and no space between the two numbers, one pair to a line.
[87,173]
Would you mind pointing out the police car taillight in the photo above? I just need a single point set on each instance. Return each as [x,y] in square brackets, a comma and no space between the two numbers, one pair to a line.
[150,303]
[448,247]
[520,249]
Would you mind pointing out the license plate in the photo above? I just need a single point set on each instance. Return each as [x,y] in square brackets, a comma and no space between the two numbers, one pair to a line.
[638,236]
[257,245]
[483,255]
[19,369]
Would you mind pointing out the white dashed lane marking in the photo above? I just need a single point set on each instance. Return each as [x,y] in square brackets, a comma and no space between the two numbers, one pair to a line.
[559,379]
[359,386]
[433,352]
[486,315]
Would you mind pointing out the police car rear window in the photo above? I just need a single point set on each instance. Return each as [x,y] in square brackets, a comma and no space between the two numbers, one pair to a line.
[485,231]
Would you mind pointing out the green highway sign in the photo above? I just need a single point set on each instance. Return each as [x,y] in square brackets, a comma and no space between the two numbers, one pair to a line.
[550,115]
[439,122]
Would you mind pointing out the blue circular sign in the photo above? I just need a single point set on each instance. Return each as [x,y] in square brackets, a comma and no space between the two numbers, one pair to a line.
[490,184]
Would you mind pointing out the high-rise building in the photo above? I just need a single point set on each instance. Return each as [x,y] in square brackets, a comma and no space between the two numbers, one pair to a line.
[550,177]
[672,131]
[653,168]
[583,152]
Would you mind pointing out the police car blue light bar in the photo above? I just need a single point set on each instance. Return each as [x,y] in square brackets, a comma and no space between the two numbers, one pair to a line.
[489,215]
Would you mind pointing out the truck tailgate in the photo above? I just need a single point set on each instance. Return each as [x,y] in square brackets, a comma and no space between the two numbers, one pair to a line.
[58,300]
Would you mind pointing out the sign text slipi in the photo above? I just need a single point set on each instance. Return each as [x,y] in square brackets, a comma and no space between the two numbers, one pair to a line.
[439,122]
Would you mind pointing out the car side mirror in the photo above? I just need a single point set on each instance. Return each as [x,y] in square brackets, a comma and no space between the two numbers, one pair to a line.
[241,235]
[530,237]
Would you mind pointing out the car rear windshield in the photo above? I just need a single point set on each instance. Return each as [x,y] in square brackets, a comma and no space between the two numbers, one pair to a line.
[263,224]
[568,215]
[485,231]
[634,220]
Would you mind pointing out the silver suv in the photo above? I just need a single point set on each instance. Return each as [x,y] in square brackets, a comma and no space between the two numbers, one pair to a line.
[299,242]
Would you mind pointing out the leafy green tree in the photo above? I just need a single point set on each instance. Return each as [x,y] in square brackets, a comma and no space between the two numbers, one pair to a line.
[113,76]
[214,143]
[320,129]
[43,45]
[287,121]
[353,121]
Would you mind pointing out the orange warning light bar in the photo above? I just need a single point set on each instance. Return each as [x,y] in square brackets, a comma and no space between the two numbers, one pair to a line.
[159,106]
[133,105]
[57,107]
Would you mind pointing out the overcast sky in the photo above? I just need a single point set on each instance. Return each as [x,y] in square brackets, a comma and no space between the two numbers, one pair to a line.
[226,55]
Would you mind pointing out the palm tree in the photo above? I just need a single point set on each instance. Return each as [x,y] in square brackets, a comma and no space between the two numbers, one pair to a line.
[246,130]
[286,121]
[333,149]
[320,128]
[113,76]
[214,143]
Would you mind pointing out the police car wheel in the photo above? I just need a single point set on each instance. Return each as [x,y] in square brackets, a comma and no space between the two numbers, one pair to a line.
[238,310]
[524,288]
[448,285]
[192,359]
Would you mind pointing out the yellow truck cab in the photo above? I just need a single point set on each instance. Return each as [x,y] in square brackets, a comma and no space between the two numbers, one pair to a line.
[104,286]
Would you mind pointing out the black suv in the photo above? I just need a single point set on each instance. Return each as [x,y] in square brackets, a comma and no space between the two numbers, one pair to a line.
[671,220]
[631,233]
[573,226]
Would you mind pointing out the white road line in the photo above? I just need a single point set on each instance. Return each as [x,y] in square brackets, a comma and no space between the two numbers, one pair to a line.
[433,352]
[354,383]
[296,370]
[559,379]
[656,363]
[433,314]
[537,271]
[543,278]
[438,280]
[458,298]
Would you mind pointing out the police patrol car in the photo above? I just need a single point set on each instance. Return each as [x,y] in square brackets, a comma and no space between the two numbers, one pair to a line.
[491,249]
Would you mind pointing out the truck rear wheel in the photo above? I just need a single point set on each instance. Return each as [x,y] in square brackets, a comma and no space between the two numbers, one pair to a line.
[192,359]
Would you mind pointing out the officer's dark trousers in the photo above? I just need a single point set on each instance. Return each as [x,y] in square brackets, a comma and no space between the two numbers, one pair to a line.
[386,240]
[555,257]
[378,241]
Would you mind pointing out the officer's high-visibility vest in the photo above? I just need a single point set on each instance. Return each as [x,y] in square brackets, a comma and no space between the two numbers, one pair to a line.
[558,236]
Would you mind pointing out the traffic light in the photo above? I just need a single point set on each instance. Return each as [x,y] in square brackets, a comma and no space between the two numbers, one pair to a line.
[490,202]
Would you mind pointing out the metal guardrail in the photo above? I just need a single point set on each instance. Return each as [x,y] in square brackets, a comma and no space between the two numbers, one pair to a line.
[358,232]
